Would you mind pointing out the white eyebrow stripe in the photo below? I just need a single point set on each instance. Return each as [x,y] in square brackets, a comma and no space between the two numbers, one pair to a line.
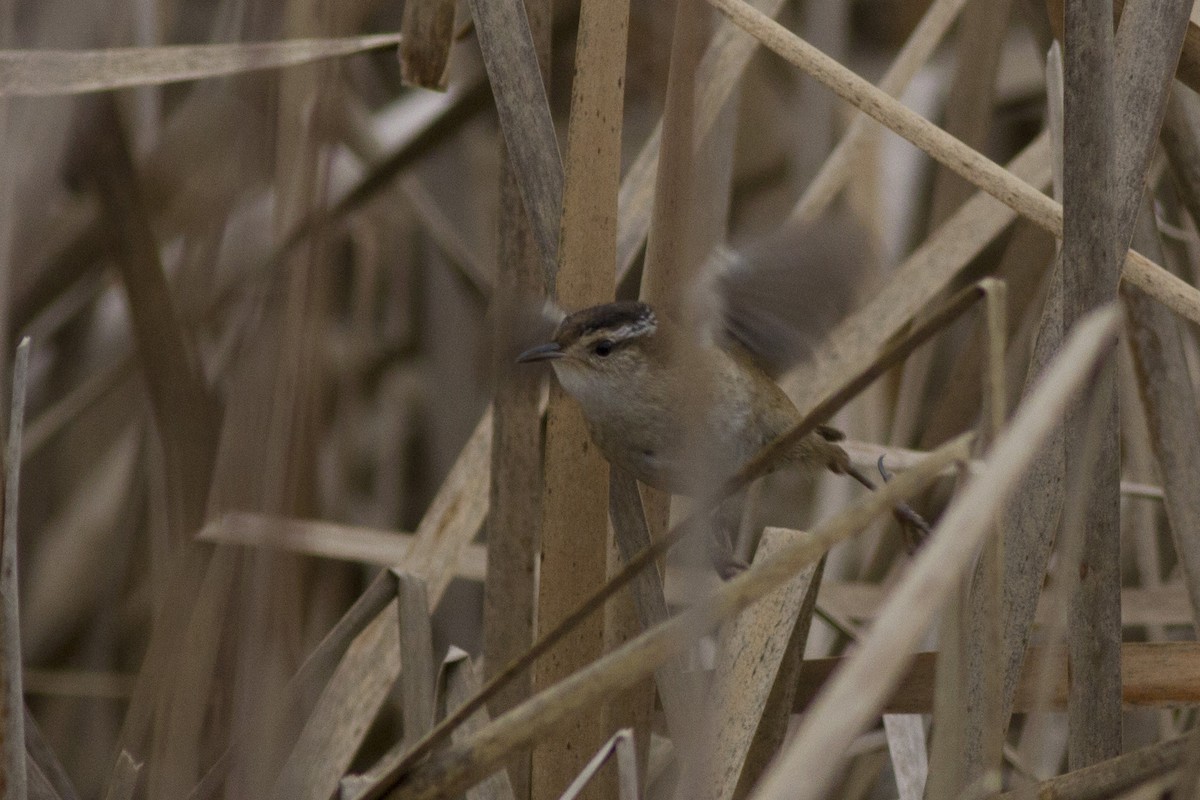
[645,325]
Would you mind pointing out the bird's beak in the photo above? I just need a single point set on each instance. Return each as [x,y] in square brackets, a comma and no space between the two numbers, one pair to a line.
[543,352]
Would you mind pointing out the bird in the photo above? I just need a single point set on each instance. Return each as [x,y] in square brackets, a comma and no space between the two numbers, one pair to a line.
[680,410]
[626,366]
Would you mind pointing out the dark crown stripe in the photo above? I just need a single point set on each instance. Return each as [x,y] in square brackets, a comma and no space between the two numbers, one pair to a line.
[624,318]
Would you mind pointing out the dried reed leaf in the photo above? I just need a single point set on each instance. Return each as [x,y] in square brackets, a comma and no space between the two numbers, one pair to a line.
[985,716]
[621,744]
[418,678]
[906,745]
[1169,397]
[860,688]
[328,540]
[59,72]
[427,31]
[187,412]
[750,657]
[776,722]
[452,520]
[12,698]
[633,536]
[351,699]
[512,67]
[371,605]
[454,516]
[461,682]
[1164,383]
[1032,519]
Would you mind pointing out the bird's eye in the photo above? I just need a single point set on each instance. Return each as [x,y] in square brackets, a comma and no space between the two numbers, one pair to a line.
[603,347]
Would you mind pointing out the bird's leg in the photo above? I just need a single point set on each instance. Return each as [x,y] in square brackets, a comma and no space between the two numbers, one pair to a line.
[915,528]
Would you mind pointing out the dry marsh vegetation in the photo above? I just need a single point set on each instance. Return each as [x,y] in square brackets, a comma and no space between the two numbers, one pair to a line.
[281,518]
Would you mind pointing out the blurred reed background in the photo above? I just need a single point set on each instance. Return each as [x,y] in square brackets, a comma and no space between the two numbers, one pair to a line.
[284,503]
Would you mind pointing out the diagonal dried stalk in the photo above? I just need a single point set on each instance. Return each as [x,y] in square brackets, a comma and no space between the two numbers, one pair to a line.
[1109,778]
[621,744]
[25,73]
[979,170]
[917,50]
[418,677]
[459,766]
[806,768]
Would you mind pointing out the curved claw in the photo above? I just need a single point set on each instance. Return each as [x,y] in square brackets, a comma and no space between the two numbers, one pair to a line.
[915,528]
[883,472]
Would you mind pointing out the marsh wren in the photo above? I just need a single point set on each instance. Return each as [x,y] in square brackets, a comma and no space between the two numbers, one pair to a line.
[624,365]
[637,373]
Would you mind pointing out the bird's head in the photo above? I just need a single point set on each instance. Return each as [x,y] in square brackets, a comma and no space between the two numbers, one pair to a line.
[608,341]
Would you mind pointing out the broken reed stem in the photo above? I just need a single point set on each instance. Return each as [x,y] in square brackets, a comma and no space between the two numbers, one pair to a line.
[15,786]
[460,765]
[970,164]
[754,468]
[985,721]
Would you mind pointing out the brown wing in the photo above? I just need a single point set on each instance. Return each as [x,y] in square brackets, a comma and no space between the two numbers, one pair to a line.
[784,293]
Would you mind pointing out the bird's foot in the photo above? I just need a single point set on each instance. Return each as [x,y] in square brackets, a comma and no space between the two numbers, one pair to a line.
[914,527]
